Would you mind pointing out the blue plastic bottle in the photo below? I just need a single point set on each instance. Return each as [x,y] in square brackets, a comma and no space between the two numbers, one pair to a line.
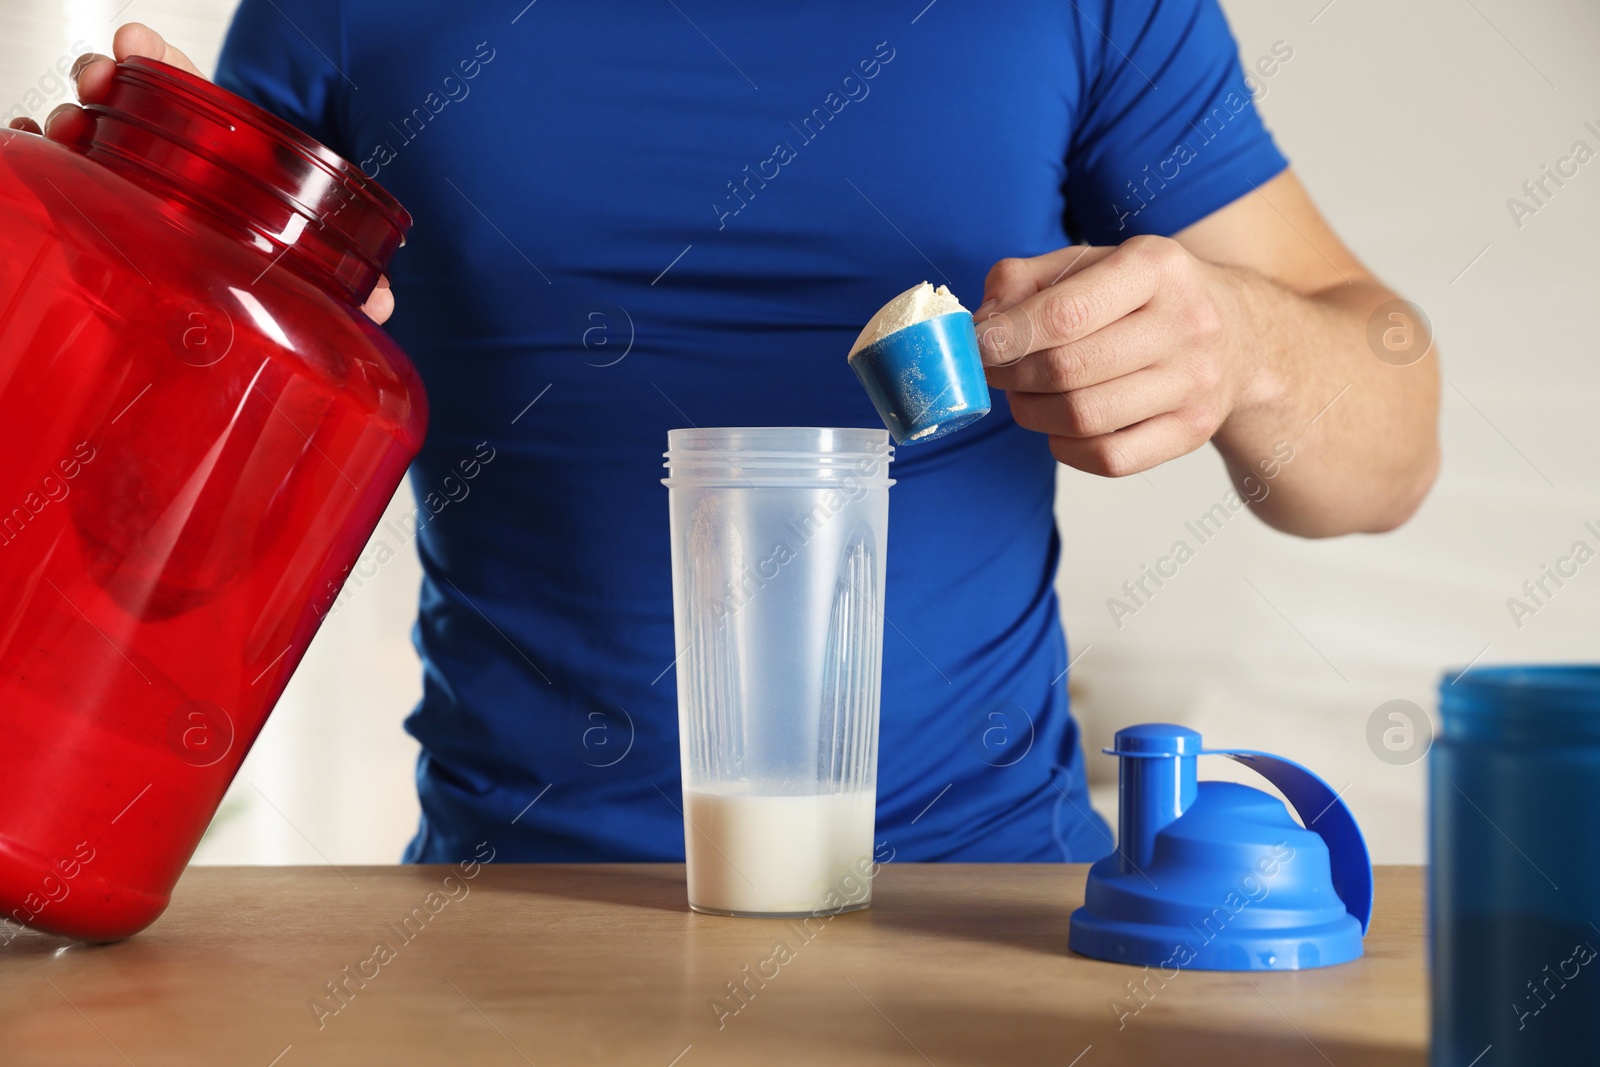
[1515,868]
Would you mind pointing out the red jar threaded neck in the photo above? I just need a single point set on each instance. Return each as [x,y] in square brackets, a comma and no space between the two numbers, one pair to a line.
[253,174]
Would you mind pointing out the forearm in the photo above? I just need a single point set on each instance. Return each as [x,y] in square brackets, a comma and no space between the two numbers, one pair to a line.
[1364,432]
[1247,329]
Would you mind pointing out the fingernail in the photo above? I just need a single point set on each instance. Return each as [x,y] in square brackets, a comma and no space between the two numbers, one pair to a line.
[986,307]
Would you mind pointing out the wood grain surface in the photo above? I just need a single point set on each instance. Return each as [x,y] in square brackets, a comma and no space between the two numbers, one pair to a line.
[551,965]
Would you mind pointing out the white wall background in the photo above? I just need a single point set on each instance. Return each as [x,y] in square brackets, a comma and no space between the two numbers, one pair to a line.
[1411,124]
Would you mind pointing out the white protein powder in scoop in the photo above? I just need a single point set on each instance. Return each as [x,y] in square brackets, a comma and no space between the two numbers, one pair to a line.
[917,304]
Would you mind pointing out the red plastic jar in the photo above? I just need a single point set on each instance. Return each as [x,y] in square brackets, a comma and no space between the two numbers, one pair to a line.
[201,429]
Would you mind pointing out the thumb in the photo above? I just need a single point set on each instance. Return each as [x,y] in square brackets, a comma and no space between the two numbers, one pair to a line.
[1012,281]
[137,39]
[92,72]
[1003,337]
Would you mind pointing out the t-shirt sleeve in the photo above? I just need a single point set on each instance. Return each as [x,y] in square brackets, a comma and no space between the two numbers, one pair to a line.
[1167,130]
[288,57]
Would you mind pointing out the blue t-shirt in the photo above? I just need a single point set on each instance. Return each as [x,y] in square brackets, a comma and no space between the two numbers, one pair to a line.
[628,221]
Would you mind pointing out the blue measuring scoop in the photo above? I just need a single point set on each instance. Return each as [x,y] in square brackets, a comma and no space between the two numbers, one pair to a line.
[926,380]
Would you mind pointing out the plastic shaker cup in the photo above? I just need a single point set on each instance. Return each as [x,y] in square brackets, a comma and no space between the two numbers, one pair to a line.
[778,542]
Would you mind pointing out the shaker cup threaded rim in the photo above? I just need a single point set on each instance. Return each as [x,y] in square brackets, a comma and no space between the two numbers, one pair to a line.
[778,456]
[785,440]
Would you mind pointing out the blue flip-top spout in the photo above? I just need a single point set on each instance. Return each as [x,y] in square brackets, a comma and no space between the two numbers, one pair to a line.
[1218,876]
[1157,784]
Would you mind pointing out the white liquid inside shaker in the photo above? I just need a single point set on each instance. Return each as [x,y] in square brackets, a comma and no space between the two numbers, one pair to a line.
[765,854]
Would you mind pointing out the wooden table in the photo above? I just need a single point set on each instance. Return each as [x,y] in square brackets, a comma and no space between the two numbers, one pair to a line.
[553,965]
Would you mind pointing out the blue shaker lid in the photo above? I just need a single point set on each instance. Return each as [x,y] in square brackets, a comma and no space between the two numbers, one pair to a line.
[1218,876]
